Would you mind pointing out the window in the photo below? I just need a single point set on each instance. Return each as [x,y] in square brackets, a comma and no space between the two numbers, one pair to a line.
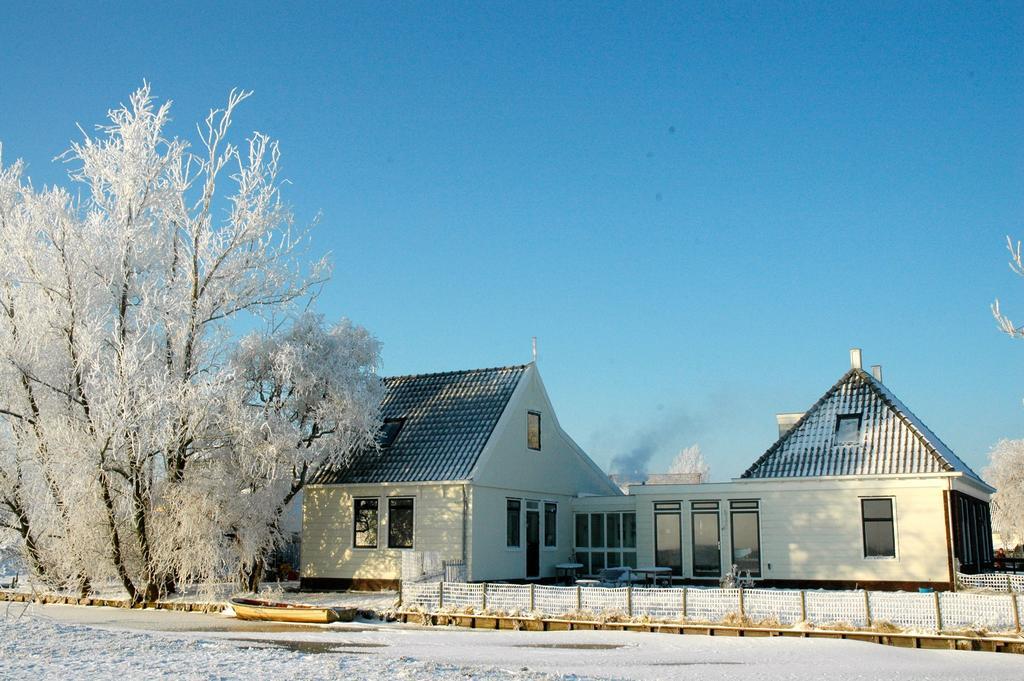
[512,512]
[668,545]
[848,429]
[550,524]
[746,539]
[879,534]
[533,430]
[707,547]
[605,540]
[400,523]
[613,535]
[364,523]
[582,530]
[597,529]
[389,431]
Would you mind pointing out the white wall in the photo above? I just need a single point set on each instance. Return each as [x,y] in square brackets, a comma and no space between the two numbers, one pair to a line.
[811,528]
[327,539]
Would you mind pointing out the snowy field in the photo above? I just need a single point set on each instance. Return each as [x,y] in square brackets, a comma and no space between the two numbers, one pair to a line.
[60,642]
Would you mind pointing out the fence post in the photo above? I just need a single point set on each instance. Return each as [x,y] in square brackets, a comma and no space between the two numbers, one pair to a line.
[803,606]
[867,607]
[1016,612]
[1009,584]
[399,593]
[440,594]
[741,603]
[684,604]
[579,598]
[938,612]
[483,597]
[629,600]
[533,598]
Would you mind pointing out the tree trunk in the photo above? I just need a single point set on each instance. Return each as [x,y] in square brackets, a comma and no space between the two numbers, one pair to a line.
[250,575]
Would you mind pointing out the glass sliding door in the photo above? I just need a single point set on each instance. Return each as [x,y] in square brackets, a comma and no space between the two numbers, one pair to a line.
[668,545]
[707,547]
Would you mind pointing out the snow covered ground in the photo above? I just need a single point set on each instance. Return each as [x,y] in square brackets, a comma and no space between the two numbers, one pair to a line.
[58,642]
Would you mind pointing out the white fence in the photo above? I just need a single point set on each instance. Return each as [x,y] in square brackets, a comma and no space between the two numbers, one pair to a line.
[997,581]
[906,610]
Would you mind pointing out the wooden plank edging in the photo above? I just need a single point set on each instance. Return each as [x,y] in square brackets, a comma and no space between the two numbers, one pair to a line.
[904,640]
[47,599]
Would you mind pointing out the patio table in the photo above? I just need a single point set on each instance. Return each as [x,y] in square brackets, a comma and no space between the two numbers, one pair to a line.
[653,575]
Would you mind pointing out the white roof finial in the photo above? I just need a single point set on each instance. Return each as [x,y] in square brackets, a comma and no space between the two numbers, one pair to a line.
[534,349]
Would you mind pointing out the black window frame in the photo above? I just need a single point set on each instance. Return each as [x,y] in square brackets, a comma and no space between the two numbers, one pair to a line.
[513,529]
[391,525]
[891,520]
[529,430]
[355,519]
[551,511]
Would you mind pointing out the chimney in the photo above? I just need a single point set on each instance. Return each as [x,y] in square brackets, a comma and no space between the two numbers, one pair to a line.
[876,371]
[855,358]
[787,421]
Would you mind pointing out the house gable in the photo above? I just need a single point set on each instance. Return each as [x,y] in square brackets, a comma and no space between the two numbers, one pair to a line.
[858,427]
[560,466]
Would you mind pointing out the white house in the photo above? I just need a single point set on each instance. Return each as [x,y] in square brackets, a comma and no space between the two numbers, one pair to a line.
[473,466]
[855,491]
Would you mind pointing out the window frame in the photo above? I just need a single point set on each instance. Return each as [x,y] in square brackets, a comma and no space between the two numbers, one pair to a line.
[413,510]
[892,521]
[840,418]
[390,429]
[519,525]
[748,507]
[711,508]
[355,544]
[529,444]
[544,516]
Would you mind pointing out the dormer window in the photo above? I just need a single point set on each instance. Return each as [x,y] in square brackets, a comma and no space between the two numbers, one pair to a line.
[389,431]
[533,430]
[848,429]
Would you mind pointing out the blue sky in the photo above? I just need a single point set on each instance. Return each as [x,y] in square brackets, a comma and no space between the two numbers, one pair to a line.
[697,209]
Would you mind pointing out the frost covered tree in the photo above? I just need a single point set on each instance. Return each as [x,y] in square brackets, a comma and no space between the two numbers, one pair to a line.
[690,461]
[1005,472]
[122,410]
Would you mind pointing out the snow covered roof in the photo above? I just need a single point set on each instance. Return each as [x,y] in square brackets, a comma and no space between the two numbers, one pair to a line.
[438,425]
[890,438]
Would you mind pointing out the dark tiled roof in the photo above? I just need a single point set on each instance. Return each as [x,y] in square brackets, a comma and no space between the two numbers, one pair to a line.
[448,419]
[892,439]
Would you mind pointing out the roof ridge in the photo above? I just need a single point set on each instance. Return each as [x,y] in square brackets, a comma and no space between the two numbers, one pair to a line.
[457,371]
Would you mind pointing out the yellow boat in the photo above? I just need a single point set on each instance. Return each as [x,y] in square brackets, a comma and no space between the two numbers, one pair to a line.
[268,611]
